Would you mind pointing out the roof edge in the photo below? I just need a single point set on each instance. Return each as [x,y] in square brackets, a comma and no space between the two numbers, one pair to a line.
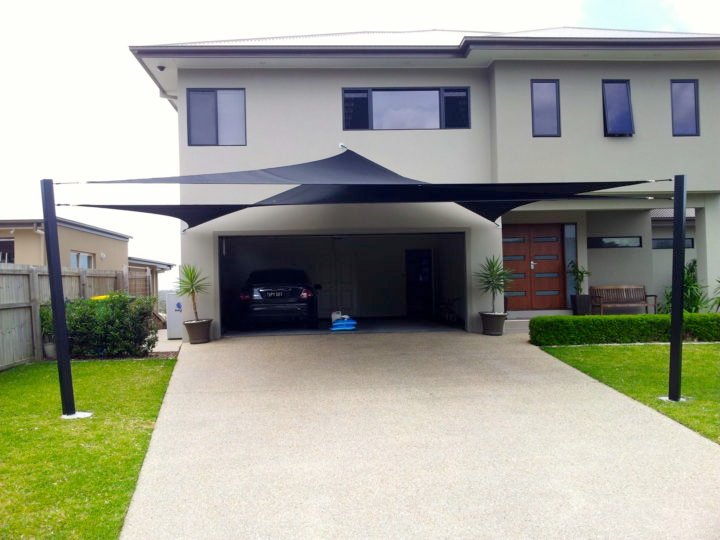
[64,222]
[460,50]
[159,265]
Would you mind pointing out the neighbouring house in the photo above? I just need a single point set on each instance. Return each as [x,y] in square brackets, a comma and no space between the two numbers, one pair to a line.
[562,104]
[83,247]
[143,275]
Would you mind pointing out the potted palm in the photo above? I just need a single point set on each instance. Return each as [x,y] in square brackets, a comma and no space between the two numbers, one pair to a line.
[494,278]
[192,283]
[580,302]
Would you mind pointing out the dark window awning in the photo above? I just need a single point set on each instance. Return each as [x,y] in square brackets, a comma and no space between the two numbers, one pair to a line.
[349,178]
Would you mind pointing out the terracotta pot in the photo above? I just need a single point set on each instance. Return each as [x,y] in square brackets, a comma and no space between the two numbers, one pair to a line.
[198,331]
[493,323]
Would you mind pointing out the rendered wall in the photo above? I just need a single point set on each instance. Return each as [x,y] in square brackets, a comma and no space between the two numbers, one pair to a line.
[583,152]
[116,251]
[662,258]
[29,246]
[621,266]
[707,240]
[294,116]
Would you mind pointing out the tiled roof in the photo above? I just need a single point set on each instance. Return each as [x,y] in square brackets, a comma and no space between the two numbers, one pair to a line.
[668,213]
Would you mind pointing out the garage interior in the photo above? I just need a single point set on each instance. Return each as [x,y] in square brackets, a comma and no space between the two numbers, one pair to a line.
[385,281]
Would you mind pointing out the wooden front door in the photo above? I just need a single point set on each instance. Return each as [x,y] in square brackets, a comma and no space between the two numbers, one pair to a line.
[534,254]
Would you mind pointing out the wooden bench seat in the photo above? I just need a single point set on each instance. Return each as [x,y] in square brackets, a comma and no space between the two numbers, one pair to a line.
[614,296]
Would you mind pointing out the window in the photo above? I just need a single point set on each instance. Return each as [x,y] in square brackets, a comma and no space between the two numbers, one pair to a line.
[79,259]
[7,250]
[602,242]
[216,117]
[667,243]
[545,99]
[684,101]
[397,108]
[617,110]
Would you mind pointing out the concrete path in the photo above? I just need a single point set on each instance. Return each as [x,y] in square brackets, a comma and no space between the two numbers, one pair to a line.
[166,347]
[436,435]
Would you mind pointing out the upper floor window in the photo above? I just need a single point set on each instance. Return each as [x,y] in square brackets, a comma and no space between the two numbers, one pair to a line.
[684,101]
[617,109]
[7,250]
[216,117]
[82,260]
[545,100]
[399,108]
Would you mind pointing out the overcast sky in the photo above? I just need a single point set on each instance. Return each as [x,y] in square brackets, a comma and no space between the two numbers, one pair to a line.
[77,106]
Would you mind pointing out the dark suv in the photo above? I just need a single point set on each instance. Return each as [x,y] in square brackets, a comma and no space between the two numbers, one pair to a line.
[279,294]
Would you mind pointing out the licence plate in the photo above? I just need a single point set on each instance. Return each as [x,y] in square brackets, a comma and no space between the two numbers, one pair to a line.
[274,294]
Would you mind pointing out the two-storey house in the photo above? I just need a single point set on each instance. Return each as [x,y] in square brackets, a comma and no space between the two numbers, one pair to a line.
[447,107]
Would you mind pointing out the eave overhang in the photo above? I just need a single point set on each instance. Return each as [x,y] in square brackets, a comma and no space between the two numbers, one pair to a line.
[163,62]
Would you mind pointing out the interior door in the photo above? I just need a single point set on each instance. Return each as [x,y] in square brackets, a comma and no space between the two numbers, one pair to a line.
[419,283]
[324,273]
[345,285]
[534,254]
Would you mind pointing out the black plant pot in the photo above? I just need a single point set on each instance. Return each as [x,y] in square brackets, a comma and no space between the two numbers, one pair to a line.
[198,331]
[580,304]
[493,323]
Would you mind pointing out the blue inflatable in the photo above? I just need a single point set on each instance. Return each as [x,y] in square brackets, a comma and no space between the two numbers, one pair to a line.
[343,325]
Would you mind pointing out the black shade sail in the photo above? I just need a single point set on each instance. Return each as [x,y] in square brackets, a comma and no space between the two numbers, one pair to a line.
[349,178]
[348,167]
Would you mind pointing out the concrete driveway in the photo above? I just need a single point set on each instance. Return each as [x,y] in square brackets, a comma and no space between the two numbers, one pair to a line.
[434,435]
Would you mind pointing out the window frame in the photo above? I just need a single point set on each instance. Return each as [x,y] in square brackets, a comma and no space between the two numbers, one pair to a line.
[441,105]
[626,82]
[214,91]
[11,242]
[75,258]
[696,85]
[557,103]
[602,237]
[689,242]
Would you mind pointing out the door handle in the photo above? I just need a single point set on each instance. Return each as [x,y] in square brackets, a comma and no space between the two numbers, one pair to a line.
[532,265]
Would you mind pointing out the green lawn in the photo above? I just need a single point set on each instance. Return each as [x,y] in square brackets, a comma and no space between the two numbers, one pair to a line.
[74,478]
[641,372]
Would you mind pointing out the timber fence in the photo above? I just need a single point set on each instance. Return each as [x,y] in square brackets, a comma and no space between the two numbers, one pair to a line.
[23,289]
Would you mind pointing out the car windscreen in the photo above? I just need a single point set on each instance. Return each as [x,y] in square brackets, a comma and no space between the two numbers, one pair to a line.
[281,276]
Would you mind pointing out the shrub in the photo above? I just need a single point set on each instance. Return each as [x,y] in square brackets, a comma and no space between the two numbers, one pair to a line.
[695,298]
[569,330]
[116,326]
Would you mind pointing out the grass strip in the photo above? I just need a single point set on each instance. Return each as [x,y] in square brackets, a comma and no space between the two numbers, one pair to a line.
[74,478]
[641,372]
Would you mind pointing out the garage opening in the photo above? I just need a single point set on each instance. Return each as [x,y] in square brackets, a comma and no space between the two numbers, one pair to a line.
[386,281]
